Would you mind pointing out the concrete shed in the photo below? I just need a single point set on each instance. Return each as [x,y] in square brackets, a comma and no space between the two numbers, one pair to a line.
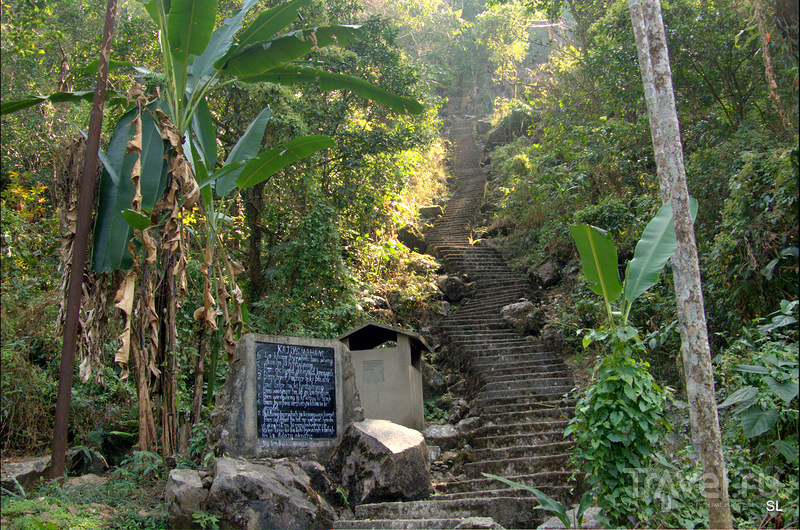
[388,365]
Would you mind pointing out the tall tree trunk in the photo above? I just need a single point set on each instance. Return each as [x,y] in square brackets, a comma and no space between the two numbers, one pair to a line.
[654,64]
[79,250]
[167,361]
[254,198]
[197,396]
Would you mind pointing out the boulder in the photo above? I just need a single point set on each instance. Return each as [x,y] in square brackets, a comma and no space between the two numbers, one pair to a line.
[267,494]
[381,461]
[411,237]
[547,273]
[183,495]
[85,482]
[453,288]
[431,212]
[433,383]
[84,460]
[553,339]
[469,424]
[524,317]
[447,437]
[29,471]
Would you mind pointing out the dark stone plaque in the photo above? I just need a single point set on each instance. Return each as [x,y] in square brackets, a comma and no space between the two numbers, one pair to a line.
[295,392]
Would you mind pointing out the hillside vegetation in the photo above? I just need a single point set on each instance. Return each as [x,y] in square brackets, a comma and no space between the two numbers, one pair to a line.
[315,246]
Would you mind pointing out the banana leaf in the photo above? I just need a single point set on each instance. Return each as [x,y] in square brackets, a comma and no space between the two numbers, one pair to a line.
[271,161]
[598,259]
[657,245]
[291,75]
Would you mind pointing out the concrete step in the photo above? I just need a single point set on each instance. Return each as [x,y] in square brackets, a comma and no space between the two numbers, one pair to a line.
[510,376]
[524,394]
[372,524]
[519,466]
[537,439]
[508,418]
[510,511]
[522,451]
[522,407]
[550,479]
[556,492]
[539,368]
[520,428]
[526,382]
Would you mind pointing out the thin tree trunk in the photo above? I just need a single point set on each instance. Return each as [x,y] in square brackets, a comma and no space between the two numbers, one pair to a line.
[79,251]
[197,397]
[253,202]
[165,306]
[659,94]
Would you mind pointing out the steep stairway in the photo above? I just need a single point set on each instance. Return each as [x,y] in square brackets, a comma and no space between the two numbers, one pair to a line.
[519,389]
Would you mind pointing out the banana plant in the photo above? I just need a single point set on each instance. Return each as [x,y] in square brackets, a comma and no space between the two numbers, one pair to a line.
[599,260]
[164,148]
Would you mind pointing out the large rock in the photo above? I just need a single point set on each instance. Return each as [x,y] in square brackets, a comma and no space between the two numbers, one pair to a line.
[524,317]
[183,495]
[446,436]
[381,461]
[547,273]
[85,482]
[411,237]
[454,288]
[28,472]
[431,212]
[268,494]
[433,383]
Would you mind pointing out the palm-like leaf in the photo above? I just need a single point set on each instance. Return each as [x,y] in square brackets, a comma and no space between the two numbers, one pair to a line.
[220,42]
[190,24]
[652,252]
[598,259]
[263,56]
[291,75]
[247,147]
[265,27]
[271,161]
[112,231]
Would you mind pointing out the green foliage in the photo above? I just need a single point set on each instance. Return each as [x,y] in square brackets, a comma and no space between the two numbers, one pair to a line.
[760,378]
[618,422]
[753,260]
[38,513]
[29,240]
[198,441]
[434,412]
[28,402]
[599,260]
[206,519]
[670,490]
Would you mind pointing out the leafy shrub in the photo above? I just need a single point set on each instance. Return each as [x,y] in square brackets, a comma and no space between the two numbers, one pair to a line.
[670,490]
[28,403]
[760,377]
[618,421]
[752,264]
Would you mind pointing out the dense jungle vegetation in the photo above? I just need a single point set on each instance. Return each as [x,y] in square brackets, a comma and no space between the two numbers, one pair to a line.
[313,250]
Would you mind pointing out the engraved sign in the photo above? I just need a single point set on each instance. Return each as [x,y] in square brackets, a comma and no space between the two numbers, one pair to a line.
[372,371]
[295,391]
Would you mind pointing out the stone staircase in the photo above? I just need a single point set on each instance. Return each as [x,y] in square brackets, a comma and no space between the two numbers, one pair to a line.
[518,388]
